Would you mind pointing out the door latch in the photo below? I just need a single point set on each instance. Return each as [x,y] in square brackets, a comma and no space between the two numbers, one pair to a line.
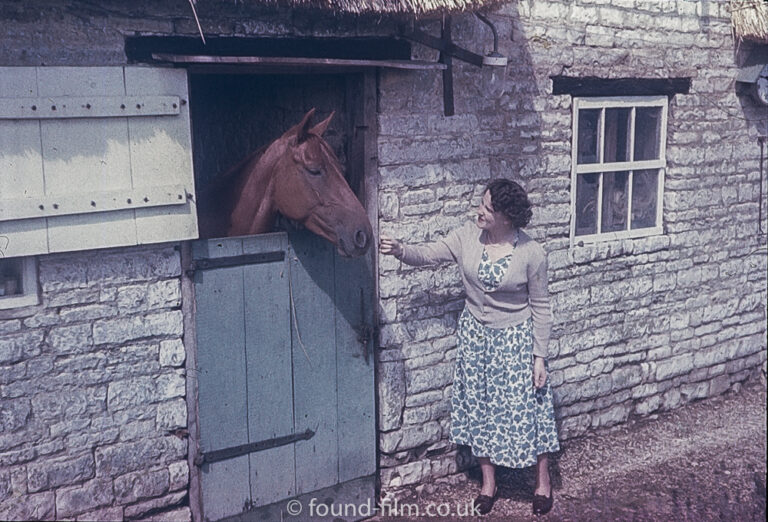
[365,336]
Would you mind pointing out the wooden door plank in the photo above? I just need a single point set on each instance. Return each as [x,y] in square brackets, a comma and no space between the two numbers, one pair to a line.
[314,360]
[101,160]
[84,154]
[222,403]
[161,153]
[89,231]
[270,387]
[225,491]
[221,362]
[356,401]
[18,82]
[21,165]
[355,500]
[80,81]
[216,248]
[20,156]
[262,243]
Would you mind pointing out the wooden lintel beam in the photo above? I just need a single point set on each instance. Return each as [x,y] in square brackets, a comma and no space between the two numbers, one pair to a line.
[289,61]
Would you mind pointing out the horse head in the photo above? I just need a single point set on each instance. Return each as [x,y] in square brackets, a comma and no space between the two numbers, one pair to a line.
[300,177]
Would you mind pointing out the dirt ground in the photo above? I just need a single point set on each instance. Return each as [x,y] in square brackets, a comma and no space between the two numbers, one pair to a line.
[705,461]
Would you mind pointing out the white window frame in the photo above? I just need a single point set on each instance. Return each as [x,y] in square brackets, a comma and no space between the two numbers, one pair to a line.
[602,103]
[29,283]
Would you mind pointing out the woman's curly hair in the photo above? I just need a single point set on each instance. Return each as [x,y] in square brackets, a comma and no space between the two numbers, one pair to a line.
[510,199]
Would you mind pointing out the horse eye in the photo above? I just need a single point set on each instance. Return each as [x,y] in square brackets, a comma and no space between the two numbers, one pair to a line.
[315,171]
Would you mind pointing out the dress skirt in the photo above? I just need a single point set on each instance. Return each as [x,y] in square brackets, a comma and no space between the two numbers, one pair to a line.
[495,408]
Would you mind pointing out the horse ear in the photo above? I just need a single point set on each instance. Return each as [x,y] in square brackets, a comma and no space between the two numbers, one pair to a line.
[302,129]
[319,129]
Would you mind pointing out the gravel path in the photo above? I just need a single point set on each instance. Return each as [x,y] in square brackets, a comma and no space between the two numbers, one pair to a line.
[705,461]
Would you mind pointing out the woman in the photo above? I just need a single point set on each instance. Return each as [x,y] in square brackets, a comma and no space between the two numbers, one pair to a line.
[501,405]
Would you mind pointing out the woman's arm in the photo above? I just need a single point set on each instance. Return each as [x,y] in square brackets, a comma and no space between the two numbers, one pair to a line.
[541,314]
[539,372]
[426,254]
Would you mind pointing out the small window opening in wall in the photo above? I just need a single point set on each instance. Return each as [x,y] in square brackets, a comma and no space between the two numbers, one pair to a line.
[18,282]
[618,167]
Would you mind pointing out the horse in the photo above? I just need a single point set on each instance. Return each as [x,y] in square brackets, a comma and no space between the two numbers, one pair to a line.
[297,176]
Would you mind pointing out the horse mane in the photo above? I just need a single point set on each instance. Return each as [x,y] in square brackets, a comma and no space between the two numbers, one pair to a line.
[213,200]
[224,180]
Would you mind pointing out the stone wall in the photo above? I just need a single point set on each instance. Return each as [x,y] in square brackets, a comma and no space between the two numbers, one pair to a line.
[641,325]
[92,387]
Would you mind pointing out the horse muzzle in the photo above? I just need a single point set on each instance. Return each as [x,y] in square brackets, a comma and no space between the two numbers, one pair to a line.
[355,242]
[352,234]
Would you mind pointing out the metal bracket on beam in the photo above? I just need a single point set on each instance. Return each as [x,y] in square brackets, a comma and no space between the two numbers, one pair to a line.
[448,51]
[445,58]
[442,44]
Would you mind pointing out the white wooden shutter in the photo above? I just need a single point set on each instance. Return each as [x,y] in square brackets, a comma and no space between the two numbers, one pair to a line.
[94,157]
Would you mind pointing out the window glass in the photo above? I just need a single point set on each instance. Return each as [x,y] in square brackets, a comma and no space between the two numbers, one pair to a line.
[615,200]
[644,197]
[586,203]
[588,129]
[616,135]
[647,131]
[11,277]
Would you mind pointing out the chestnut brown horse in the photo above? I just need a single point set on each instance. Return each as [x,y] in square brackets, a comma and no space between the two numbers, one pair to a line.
[298,176]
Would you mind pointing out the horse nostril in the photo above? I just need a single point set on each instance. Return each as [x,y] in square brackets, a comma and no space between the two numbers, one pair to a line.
[361,239]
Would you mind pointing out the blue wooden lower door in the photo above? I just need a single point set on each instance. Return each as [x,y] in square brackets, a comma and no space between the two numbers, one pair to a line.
[285,377]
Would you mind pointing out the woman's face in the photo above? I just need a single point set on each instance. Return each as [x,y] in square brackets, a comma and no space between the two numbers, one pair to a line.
[487,218]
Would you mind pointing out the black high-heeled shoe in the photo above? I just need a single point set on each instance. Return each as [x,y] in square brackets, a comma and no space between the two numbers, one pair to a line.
[484,503]
[541,504]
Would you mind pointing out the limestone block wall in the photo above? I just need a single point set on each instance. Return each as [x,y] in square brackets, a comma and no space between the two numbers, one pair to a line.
[641,325]
[93,414]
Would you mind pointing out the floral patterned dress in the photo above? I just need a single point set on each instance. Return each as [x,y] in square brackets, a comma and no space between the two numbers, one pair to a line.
[495,408]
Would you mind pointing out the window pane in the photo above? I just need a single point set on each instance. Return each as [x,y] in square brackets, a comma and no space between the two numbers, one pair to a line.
[586,203]
[588,126]
[615,192]
[644,198]
[647,132]
[11,277]
[616,135]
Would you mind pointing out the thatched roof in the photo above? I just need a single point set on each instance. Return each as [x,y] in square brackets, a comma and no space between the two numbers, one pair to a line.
[750,20]
[417,7]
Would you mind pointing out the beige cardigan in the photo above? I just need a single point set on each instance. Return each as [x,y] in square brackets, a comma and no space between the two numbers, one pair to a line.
[521,294]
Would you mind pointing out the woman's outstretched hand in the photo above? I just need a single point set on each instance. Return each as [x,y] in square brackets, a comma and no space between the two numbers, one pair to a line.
[539,372]
[389,246]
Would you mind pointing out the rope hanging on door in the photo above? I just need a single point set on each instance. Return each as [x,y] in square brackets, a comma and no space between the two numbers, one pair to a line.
[295,321]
